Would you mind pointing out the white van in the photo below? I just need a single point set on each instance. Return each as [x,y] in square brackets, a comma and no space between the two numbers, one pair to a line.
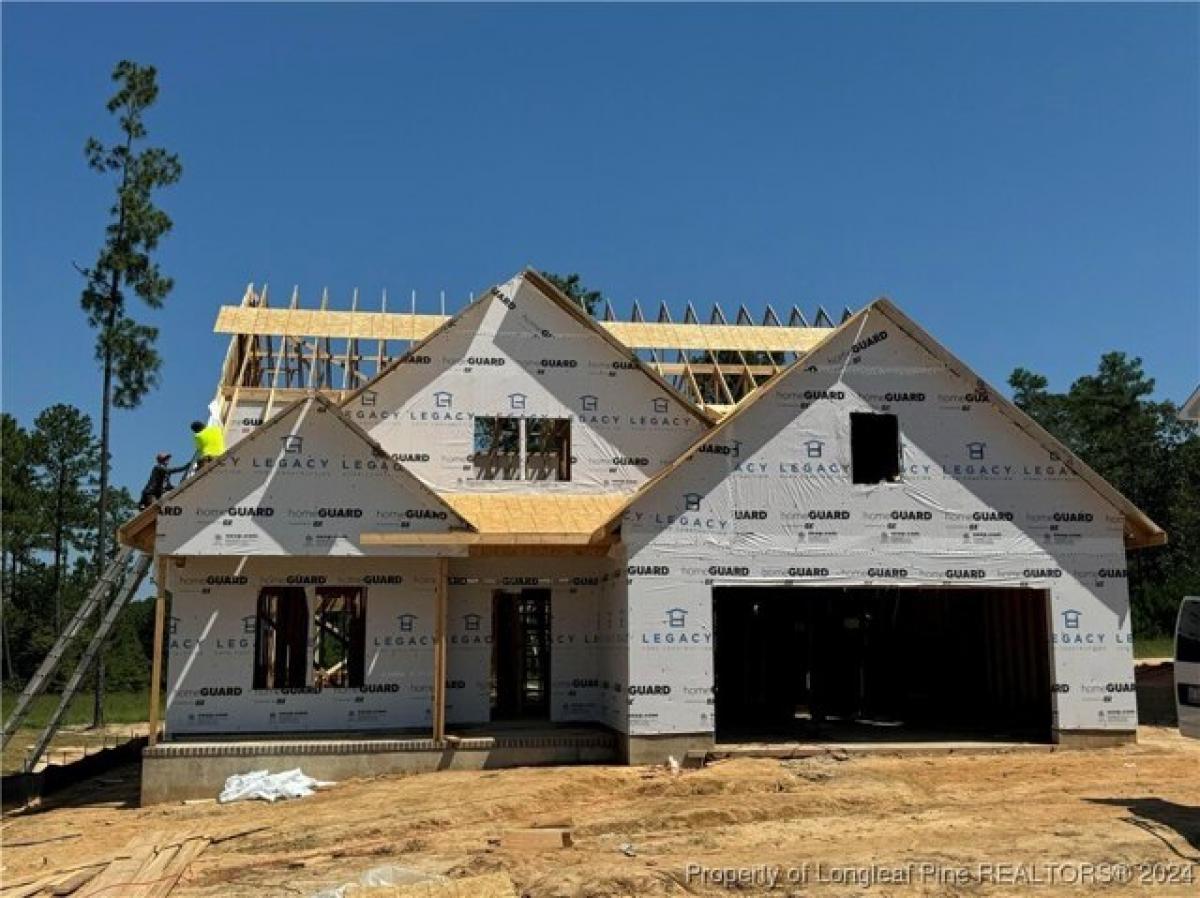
[1187,667]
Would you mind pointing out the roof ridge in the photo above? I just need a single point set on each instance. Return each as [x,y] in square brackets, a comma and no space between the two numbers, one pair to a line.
[1151,535]
[748,402]
[547,289]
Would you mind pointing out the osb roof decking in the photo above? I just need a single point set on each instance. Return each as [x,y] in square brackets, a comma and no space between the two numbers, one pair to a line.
[526,513]
[520,524]
[405,326]
[498,518]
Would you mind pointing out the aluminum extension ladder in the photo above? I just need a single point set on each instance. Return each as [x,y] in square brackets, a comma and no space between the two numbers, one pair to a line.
[125,574]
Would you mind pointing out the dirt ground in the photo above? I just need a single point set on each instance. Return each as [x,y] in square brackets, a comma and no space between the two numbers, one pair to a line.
[69,744]
[1121,821]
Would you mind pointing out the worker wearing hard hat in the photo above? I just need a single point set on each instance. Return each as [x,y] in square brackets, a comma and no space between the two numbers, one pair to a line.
[209,440]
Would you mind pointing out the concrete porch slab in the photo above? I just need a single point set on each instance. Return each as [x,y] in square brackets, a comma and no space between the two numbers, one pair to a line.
[175,771]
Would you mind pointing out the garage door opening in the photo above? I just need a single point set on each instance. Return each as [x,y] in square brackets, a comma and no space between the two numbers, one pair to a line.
[894,663]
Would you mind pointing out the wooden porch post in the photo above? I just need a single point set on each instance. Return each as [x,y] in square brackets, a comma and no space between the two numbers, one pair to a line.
[160,612]
[439,651]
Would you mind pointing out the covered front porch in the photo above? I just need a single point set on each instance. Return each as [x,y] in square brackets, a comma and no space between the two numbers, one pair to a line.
[457,626]
[429,651]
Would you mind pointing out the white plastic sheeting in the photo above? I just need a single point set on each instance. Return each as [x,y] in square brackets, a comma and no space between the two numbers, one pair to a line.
[267,786]
[385,875]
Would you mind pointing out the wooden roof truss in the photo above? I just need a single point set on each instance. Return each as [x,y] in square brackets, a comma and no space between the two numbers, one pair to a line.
[276,353]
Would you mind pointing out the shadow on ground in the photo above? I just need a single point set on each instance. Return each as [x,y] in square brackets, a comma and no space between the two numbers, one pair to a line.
[117,787]
[1155,814]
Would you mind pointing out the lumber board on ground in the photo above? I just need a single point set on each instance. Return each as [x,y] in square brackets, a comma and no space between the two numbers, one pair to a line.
[27,842]
[536,838]
[122,870]
[69,884]
[28,888]
[188,852]
[153,870]
[34,888]
[138,843]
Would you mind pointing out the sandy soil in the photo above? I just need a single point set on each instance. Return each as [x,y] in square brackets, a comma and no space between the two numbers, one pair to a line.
[1035,817]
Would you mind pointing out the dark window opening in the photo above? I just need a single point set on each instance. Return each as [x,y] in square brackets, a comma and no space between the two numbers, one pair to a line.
[497,454]
[547,449]
[522,449]
[339,649]
[874,448]
[281,638]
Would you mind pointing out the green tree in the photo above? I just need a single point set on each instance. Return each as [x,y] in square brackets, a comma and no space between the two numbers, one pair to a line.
[121,507]
[64,454]
[129,362]
[21,523]
[1031,394]
[1140,446]
[572,286]
[22,519]
[49,538]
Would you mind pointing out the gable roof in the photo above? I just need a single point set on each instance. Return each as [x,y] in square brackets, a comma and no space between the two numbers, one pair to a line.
[543,286]
[1191,407]
[1140,530]
[485,514]
[138,531]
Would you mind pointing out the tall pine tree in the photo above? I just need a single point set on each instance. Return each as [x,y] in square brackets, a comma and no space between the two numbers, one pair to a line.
[129,362]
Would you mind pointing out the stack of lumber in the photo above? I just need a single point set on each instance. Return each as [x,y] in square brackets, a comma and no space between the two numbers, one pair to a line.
[149,866]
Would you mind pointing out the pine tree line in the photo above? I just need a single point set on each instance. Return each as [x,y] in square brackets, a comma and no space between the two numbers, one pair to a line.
[1142,448]
[49,539]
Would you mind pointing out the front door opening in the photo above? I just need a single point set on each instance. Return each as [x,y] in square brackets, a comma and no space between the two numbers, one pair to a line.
[520,654]
[866,663]
[281,638]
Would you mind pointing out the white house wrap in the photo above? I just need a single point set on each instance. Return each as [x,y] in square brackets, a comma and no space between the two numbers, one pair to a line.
[356,511]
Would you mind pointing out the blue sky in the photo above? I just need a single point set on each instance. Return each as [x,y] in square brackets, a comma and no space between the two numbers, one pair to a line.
[1021,179]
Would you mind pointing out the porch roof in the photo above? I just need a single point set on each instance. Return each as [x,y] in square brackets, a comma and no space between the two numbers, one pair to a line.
[534,521]
[535,513]
[499,519]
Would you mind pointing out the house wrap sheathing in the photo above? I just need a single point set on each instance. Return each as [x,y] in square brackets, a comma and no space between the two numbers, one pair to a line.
[618,543]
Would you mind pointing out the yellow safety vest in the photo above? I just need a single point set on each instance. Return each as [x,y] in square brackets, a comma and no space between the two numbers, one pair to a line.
[210,442]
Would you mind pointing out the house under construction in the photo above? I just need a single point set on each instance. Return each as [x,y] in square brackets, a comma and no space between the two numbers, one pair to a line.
[523,534]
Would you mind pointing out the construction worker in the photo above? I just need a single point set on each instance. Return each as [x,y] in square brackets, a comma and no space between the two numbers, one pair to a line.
[160,479]
[210,442]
